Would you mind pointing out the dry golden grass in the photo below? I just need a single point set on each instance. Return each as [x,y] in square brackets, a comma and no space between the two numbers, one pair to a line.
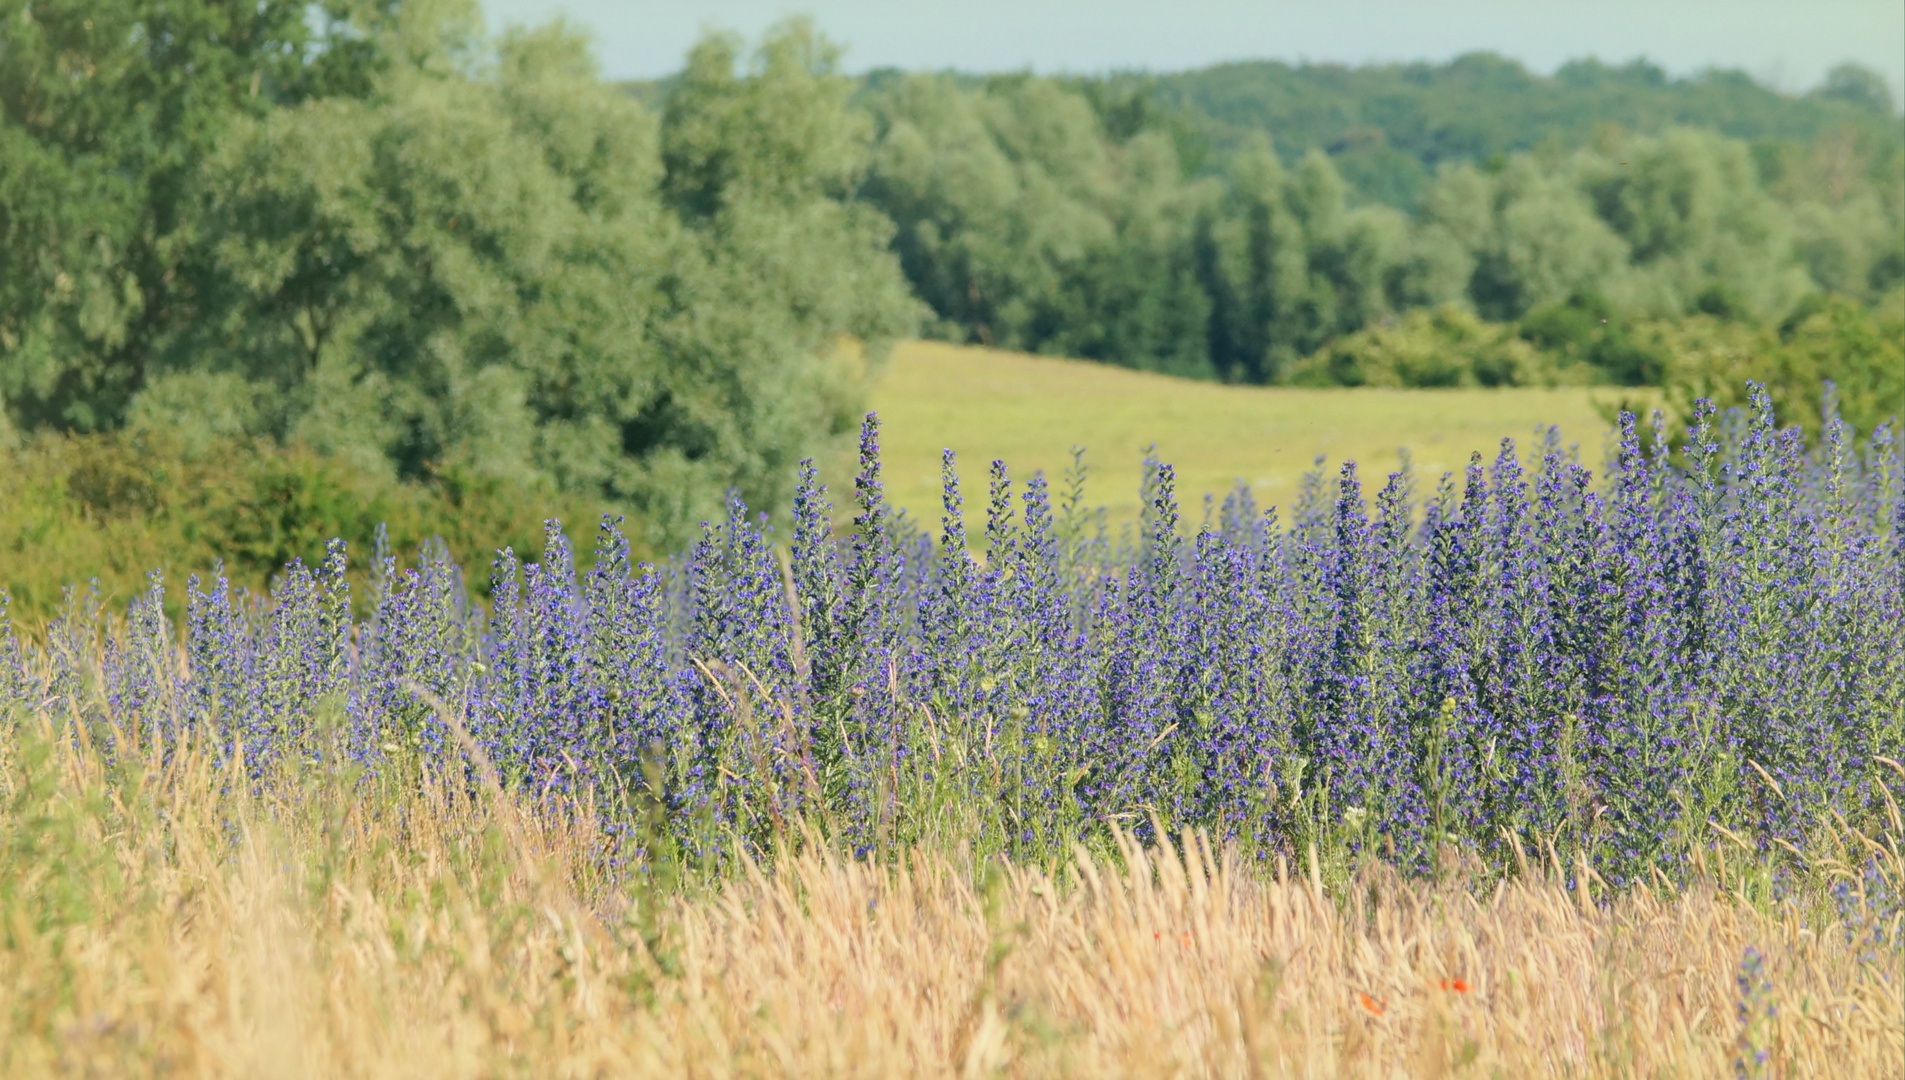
[150,926]
[1030,410]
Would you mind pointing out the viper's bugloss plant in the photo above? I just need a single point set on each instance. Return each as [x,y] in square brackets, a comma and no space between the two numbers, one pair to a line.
[1704,642]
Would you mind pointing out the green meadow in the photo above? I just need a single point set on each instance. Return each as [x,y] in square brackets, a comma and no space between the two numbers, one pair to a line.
[1029,411]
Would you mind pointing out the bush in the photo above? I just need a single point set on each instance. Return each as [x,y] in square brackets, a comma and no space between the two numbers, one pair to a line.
[1860,350]
[110,507]
[1712,354]
[1445,347]
[1586,329]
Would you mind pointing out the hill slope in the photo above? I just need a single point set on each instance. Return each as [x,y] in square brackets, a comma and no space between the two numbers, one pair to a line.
[1030,410]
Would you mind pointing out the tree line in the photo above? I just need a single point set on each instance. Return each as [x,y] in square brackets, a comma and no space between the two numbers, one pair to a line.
[1389,127]
[368,228]
[1058,216]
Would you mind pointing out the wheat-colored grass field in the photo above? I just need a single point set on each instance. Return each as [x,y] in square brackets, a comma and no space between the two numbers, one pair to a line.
[1030,410]
[157,920]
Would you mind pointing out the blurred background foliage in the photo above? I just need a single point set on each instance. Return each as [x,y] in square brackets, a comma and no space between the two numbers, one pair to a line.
[1231,223]
[366,229]
[369,245]
[110,507]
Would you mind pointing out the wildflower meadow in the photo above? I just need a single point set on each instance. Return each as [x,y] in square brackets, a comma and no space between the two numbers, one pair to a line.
[1670,695]
[1517,659]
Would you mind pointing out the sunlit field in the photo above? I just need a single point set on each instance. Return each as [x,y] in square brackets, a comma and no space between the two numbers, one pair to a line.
[504,575]
[1534,780]
[158,923]
[1031,410]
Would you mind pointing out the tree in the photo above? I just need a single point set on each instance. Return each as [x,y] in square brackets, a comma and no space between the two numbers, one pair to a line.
[485,258]
[1693,214]
[1026,223]
[996,195]
[108,109]
[1858,86]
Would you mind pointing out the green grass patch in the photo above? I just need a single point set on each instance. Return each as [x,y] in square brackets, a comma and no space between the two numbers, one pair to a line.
[1030,410]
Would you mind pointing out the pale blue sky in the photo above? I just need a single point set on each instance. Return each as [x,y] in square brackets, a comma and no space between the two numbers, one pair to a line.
[1789,43]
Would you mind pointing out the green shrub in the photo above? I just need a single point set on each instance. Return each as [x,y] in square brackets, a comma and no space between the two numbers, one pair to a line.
[1586,330]
[1861,350]
[110,507]
[1713,353]
[1445,347]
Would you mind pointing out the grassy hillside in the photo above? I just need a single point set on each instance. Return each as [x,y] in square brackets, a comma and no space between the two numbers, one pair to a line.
[1030,410]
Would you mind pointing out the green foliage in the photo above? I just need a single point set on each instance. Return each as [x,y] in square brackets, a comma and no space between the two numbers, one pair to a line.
[1389,127]
[1087,218]
[1023,226]
[107,112]
[1860,349]
[783,133]
[1652,224]
[1033,214]
[1289,266]
[396,242]
[1847,194]
[1586,329]
[1857,86]
[113,506]
[1447,346]
[1585,341]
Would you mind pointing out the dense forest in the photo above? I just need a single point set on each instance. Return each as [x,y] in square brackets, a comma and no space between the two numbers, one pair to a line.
[370,229]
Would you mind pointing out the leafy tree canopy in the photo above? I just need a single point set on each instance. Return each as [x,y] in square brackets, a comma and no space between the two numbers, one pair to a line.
[386,236]
[1084,217]
[1390,126]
